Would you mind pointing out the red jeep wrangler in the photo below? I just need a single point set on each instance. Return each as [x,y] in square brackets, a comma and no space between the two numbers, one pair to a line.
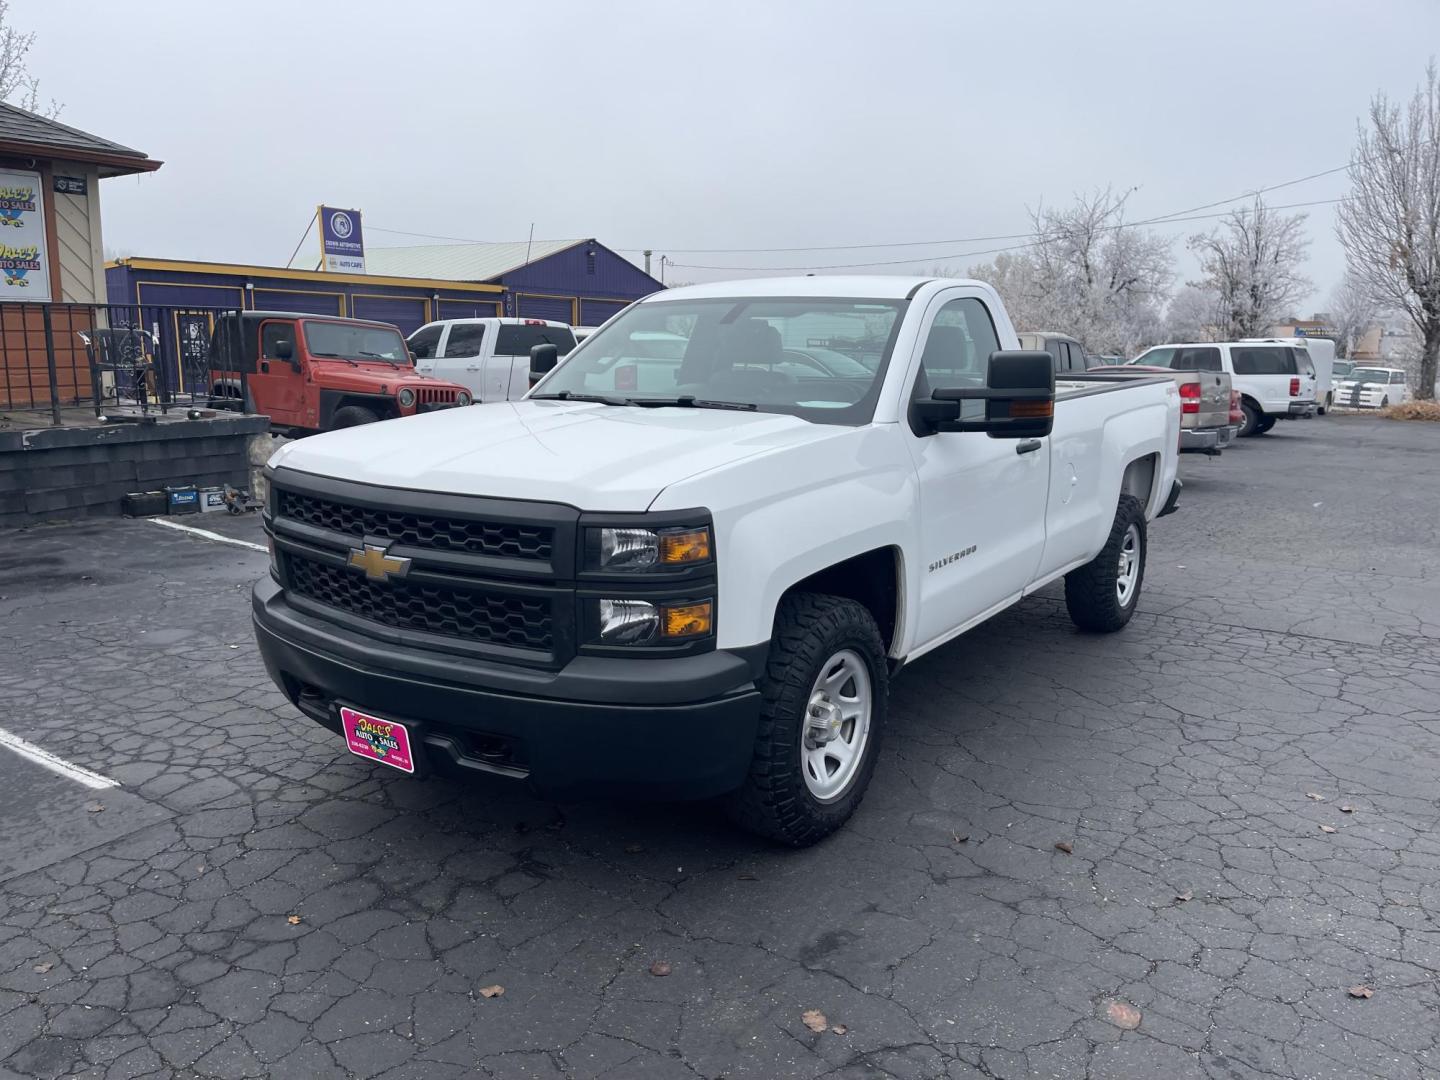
[316,372]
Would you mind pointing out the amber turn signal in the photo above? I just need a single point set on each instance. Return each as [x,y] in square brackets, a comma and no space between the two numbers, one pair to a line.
[1031,410]
[688,546]
[687,620]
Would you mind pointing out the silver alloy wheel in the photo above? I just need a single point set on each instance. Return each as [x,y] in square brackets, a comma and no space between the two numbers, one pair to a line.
[837,725]
[1129,569]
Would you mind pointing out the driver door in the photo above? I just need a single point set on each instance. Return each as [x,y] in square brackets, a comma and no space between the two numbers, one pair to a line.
[278,390]
[982,500]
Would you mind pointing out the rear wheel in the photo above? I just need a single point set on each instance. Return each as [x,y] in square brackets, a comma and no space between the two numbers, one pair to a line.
[1101,595]
[353,416]
[1250,418]
[1264,424]
[824,695]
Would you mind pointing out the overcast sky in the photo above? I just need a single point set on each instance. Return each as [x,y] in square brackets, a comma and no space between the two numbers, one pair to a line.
[688,125]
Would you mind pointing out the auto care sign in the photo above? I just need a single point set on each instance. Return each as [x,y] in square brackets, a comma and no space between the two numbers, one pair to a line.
[24,266]
[340,240]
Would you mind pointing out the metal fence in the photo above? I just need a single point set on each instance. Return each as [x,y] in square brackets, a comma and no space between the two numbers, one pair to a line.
[118,358]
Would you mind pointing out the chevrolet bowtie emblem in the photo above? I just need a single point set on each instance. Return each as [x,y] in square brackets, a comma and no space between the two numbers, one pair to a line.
[377,565]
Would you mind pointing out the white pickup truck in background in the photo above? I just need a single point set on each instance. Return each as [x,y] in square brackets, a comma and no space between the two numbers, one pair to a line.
[693,574]
[489,357]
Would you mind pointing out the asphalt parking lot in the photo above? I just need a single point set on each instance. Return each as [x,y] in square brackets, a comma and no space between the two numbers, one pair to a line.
[1247,779]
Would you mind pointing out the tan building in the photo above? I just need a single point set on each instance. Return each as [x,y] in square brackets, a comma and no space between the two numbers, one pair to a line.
[51,250]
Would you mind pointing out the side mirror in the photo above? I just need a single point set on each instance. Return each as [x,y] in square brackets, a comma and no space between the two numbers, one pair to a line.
[1019,396]
[543,359]
[284,350]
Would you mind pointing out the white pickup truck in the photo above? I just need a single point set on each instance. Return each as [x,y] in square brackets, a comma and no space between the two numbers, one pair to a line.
[489,357]
[694,574]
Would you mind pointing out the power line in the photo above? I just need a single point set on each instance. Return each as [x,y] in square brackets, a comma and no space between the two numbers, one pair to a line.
[987,251]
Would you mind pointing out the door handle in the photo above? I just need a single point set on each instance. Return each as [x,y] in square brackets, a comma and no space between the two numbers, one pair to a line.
[1029,446]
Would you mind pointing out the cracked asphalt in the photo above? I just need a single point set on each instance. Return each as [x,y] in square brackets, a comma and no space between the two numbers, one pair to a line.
[253,901]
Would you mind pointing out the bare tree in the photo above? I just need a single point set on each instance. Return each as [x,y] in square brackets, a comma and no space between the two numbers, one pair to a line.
[1089,274]
[1193,314]
[1252,263]
[1352,312]
[17,85]
[1390,224]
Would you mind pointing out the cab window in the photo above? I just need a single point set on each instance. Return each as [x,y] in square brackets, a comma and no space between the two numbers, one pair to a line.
[957,351]
[464,340]
[271,334]
[423,342]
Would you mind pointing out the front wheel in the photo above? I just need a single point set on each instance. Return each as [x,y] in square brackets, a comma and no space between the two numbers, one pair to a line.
[823,708]
[353,416]
[1101,595]
[1384,403]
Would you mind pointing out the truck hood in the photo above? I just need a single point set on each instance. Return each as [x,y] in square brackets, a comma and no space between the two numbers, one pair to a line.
[595,457]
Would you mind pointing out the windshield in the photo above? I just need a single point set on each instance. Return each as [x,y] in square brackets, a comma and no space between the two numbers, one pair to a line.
[1369,374]
[1342,369]
[355,341]
[819,358]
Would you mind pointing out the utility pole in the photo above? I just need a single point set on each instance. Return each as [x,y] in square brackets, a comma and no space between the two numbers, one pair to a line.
[647,261]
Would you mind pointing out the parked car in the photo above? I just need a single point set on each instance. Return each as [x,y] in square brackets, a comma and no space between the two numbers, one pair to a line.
[582,332]
[1341,369]
[312,373]
[704,590]
[1321,354]
[1276,382]
[1205,396]
[1066,352]
[1372,388]
[489,357]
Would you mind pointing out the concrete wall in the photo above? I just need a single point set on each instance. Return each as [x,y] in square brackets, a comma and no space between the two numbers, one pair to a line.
[60,473]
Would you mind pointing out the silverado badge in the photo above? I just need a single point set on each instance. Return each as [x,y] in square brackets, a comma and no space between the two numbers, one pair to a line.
[377,564]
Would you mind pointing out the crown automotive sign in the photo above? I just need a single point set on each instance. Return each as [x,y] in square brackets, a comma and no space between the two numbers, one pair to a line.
[340,240]
[24,267]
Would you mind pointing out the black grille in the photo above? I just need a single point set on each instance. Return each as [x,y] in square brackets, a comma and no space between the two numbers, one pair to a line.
[421,530]
[459,613]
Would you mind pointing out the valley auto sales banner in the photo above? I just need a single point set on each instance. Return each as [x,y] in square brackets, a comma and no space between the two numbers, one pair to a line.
[24,269]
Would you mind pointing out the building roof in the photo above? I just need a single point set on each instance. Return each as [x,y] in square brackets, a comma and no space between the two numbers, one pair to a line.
[461,262]
[29,134]
[329,277]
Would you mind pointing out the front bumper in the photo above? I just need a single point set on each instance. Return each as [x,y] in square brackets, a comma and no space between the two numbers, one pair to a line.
[681,728]
[437,406]
[1206,440]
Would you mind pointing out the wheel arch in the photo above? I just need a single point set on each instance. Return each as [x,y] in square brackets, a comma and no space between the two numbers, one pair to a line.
[874,579]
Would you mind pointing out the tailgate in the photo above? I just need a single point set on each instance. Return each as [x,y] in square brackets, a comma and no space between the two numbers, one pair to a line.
[1214,399]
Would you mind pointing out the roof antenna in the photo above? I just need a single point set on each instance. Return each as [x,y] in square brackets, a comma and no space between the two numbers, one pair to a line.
[529,242]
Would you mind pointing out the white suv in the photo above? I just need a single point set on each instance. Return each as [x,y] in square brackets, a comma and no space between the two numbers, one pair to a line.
[1368,387]
[1275,381]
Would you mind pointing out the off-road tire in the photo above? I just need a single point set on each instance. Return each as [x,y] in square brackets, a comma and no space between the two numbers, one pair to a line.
[1250,422]
[352,416]
[1090,591]
[774,802]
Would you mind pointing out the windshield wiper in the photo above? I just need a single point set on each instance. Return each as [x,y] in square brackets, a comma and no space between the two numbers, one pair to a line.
[334,356]
[569,395]
[690,401]
[378,356]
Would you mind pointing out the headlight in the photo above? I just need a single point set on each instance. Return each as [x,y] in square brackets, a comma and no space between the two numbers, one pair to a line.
[406,397]
[648,549]
[463,398]
[643,622]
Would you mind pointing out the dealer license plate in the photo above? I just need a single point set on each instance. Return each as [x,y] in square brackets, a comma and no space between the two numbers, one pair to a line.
[379,740]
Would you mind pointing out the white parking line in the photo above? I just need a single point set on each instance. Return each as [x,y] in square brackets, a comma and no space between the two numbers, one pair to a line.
[55,764]
[206,534]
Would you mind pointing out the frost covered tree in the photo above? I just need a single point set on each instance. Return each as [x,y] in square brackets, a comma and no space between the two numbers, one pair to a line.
[1351,312]
[1390,224]
[1252,263]
[17,85]
[1089,274]
[1193,314]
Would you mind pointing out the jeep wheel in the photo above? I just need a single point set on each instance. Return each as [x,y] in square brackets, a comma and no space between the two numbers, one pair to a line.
[352,416]
[824,694]
[1101,595]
